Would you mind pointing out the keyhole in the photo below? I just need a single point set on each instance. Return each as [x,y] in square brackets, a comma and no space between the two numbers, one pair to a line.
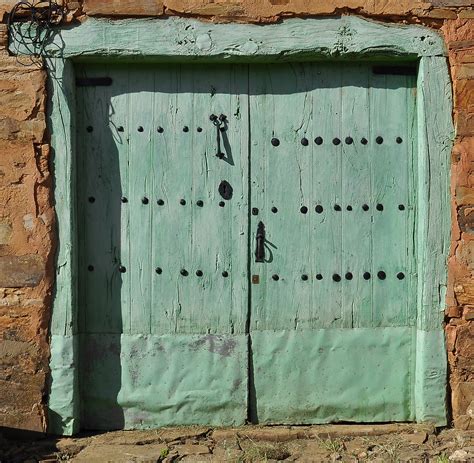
[226,190]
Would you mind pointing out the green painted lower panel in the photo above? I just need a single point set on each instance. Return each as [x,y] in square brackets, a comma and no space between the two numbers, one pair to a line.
[331,375]
[145,381]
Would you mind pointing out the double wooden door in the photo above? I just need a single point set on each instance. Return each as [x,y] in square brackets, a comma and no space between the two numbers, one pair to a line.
[246,243]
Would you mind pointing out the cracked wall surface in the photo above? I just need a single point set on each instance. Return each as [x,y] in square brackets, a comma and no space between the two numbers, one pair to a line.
[27,220]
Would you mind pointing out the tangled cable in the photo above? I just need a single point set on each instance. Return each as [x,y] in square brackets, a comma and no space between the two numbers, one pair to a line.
[41,16]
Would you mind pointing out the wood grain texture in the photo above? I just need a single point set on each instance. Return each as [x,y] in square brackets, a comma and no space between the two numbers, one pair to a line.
[313,276]
[150,205]
[187,38]
[435,140]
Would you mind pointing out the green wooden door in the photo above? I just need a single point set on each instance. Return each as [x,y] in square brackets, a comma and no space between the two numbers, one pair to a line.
[182,319]
[163,246]
[333,303]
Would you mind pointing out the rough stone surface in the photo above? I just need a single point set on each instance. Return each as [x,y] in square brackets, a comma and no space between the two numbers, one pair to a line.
[402,445]
[26,244]
[27,220]
[459,35]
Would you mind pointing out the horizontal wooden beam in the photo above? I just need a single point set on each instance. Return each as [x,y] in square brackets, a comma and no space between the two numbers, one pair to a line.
[188,39]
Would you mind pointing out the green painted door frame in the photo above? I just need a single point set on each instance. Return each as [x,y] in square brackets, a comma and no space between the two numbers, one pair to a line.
[183,40]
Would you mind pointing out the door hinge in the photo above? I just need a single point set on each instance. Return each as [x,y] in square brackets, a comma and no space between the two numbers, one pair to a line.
[93,81]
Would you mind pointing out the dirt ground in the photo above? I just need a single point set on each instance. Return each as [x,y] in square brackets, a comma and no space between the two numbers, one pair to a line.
[335,443]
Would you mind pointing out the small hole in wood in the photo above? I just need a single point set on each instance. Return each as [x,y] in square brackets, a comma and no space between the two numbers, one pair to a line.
[140,129]
[274,210]
[382,275]
[159,270]
[365,207]
[366,276]
[160,202]
[304,142]
[379,207]
[319,276]
[275,277]
[275,142]
[318,140]
[304,209]
[319,209]
[90,268]
[336,141]
[199,273]
[379,140]
[400,275]
[225,274]
[349,276]
[91,199]
[336,277]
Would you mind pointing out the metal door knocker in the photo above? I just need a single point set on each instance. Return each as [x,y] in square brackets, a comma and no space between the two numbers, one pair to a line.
[220,122]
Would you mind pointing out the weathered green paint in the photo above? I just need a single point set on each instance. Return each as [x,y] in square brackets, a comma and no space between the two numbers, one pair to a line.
[180,38]
[333,101]
[346,37]
[135,381]
[334,374]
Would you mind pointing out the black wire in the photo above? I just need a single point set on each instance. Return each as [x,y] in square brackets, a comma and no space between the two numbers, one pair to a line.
[34,37]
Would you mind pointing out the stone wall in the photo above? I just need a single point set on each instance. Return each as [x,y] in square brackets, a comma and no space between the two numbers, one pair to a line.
[27,229]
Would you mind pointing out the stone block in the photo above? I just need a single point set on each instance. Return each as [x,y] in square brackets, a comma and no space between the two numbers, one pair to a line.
[465,346]
[462,397]
[465,253]
[466,217]
[5,233]
[123,7]
[464,195]
[451,3]
[464,121]
[464,290]
[465,71]
[21,271]
[440,13]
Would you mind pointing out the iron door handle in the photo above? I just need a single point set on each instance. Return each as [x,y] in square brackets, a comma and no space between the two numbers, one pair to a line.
[260,239]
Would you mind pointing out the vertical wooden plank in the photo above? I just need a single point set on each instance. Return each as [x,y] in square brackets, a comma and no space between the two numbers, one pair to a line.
[100,203]
[166,236]
[140,204]
[327,188]
[356,184]
[435,140]
[280,188]
[120,133]
[390,197]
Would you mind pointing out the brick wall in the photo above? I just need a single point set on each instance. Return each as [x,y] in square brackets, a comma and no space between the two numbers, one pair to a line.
[27,231]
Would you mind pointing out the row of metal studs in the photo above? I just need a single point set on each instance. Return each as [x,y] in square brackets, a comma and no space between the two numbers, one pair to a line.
[336,141]
[336,277]
[275,141]
[304,210]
